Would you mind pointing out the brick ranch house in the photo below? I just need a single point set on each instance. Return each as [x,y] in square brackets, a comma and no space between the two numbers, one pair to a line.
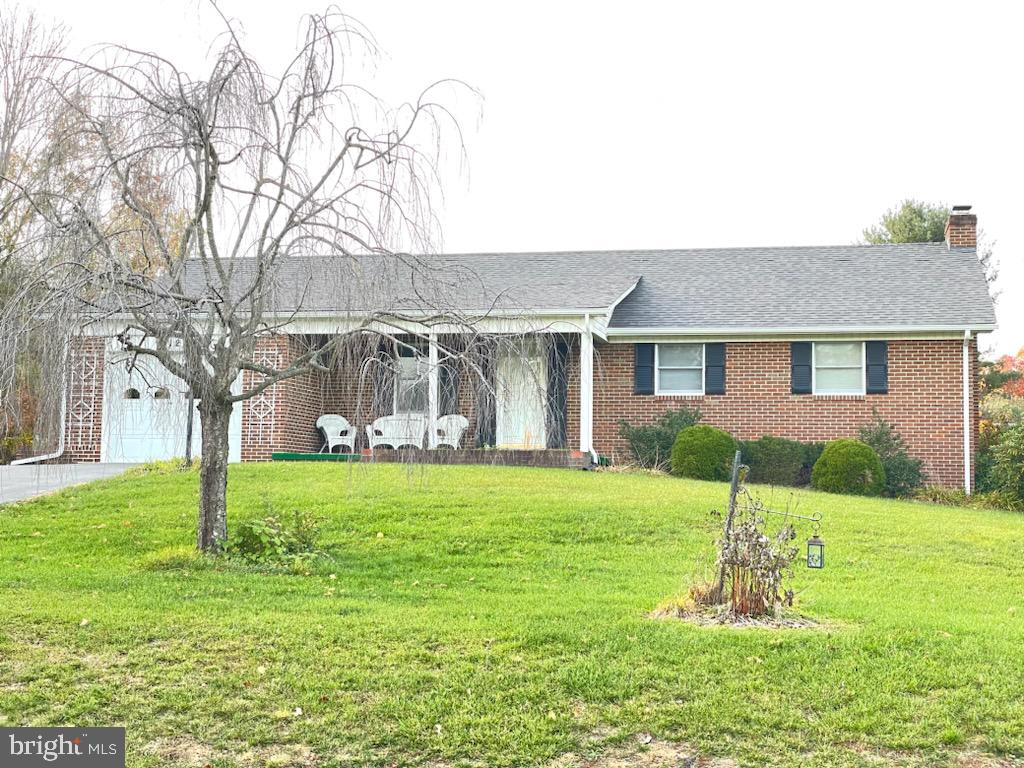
[803,343]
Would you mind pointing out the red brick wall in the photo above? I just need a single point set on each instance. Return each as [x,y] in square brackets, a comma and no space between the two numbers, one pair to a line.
[283,416]
[924,401]
[84,420]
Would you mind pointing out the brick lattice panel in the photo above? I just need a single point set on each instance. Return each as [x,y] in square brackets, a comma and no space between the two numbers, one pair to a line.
[84,420]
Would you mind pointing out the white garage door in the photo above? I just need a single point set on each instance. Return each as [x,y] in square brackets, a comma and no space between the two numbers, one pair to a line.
[145,416]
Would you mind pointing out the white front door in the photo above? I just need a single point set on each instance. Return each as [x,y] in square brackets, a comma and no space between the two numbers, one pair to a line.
[145,416]
[521,398]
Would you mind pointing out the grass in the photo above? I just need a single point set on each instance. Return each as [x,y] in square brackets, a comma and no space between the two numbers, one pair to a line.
[499,617]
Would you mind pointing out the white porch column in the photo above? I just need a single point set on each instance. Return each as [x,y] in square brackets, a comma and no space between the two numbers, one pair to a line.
[587,388]
[433,390]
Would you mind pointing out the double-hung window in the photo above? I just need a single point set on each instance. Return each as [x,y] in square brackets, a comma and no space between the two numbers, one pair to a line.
[838,368]
[680,369]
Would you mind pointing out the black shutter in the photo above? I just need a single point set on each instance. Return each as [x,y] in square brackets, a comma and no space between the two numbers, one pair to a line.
[384,374]
[714,369]
[643,370]
[558,390]
[878,367]
[800,367]
[448,389]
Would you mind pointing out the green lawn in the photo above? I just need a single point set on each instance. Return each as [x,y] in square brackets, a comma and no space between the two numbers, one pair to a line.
[498,617]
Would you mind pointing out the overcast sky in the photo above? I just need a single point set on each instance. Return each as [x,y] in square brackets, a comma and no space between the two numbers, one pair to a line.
[681,124]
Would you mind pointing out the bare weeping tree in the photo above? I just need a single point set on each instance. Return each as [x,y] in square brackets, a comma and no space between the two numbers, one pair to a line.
[28,51]
[202,194]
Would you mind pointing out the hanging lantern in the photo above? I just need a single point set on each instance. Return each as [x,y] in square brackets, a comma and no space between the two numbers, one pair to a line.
[815,552]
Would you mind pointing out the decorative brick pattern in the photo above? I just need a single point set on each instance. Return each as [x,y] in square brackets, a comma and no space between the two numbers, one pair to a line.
[924,401]
[84,422]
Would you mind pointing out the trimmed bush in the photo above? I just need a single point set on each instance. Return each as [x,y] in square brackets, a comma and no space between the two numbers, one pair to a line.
[773,460]
[651,444]
[703,453]
[903,474]
[849,466]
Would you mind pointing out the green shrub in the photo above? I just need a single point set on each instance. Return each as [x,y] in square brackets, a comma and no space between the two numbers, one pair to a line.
[703,453]
[1007,471]
[984,469]
[812,452]
[903,473]
[849,466]
[773,460]
[274,539]
[651,444]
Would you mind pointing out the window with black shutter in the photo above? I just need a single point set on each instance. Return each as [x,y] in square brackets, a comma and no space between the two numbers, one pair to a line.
[801,365]
[643,369]
[877,367]
[714,369]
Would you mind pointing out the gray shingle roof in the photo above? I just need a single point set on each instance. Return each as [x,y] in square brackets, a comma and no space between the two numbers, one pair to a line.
[924,285]
[893,286]
[535,282]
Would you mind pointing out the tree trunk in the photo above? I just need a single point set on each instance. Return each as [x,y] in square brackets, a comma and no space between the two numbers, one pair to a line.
[213,475]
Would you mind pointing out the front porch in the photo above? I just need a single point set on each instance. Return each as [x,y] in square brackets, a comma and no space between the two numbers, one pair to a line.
[522,399]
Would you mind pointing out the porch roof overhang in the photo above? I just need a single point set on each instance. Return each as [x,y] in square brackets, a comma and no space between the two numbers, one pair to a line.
[546,319]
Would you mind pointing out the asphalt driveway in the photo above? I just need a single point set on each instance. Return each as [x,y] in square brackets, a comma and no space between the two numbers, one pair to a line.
[26,481]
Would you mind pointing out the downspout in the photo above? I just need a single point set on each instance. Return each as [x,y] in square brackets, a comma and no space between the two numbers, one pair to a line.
[967,410]
[590,389]
[63,419]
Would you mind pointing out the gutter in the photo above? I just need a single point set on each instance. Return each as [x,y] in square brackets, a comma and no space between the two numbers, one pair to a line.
[63,420]
[793,330]
[967,410]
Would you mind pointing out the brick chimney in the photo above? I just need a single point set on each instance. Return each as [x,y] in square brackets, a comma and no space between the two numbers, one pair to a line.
[962,228]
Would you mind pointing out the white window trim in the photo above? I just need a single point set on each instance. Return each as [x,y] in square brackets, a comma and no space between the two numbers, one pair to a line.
[679,392]
[863,371]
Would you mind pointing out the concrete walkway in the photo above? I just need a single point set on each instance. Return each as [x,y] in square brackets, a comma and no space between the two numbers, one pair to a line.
[26,481]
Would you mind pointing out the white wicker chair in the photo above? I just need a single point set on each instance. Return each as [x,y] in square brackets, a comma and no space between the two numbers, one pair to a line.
[398,430]
[448,430]
[336,431]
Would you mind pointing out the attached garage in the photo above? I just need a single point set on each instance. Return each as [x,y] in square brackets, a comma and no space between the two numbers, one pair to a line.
[146,414]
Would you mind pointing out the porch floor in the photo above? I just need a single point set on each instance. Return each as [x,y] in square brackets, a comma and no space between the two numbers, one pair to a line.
[497,456]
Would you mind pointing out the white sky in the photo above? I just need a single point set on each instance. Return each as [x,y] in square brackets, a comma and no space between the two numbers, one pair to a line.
[682,124]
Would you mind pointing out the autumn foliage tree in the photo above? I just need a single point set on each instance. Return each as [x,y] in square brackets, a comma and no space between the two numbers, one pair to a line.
[1012,369]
